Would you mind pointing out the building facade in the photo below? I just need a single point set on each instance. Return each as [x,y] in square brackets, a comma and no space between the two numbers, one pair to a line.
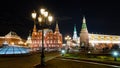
[11,38]
[28,41]
[51,39]
[100,41]
[97,41]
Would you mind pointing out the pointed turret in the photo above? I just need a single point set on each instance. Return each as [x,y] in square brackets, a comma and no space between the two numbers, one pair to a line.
[84,26]
[34,28]
[34,33]
[75,31]
[84,20]
[75,34]
[84,39]
[57,28]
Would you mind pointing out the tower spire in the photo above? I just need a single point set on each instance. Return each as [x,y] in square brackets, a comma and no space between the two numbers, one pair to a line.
[57,28]
[75,28]
[75,33]
[84,20]
[84,23]
[34,28]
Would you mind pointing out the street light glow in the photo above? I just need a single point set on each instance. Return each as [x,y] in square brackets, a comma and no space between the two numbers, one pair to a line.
[115,53]
[42,11]
[68,37]
[34,15]
[46,14]
[50,18]
[40,19]
[63,51]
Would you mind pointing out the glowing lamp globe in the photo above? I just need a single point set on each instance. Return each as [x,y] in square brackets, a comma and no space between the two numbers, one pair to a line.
[115,53]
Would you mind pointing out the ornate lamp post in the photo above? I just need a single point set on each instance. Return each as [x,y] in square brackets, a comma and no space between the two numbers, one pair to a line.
[115,55]
[43,18]
[68,39]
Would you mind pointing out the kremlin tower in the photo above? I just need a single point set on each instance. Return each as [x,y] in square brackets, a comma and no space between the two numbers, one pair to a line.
[84,38]
[75,37]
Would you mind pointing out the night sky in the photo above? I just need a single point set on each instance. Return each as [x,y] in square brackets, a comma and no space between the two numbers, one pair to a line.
[102,17]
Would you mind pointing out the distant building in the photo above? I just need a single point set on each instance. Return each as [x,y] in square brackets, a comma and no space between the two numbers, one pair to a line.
[97,41]
[51,40]
[90,40]
[11,38]
[75,40]
[29,41]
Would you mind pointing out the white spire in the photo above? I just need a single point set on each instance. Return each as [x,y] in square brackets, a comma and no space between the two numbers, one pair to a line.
[57,26]
[84,20]
[75,33]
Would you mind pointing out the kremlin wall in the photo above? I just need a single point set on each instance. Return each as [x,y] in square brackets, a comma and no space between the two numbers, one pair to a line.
[96,39]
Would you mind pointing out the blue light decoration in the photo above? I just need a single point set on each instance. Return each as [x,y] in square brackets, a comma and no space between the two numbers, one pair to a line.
[13,49]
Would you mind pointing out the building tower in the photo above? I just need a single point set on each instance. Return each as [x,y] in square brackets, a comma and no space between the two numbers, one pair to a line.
[34,30]
[34,38]
[57,28]
[57,37]
[84,39]
[75,37]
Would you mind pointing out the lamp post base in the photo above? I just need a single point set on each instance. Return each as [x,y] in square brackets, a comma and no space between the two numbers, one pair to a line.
[115,59]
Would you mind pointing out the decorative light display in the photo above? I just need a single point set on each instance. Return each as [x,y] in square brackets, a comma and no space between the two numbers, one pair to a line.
[13,49]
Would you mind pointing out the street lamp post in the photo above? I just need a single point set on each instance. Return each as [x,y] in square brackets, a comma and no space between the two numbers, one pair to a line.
[62,52]
[115,55]
[68,39]
[43,19]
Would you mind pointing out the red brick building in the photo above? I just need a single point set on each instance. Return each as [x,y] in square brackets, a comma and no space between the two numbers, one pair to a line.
[51,39]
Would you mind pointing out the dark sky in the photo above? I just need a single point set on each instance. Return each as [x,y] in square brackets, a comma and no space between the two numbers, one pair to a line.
[102,16]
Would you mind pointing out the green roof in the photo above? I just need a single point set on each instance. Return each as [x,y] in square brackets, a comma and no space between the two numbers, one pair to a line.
[75,28]
[84,26]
